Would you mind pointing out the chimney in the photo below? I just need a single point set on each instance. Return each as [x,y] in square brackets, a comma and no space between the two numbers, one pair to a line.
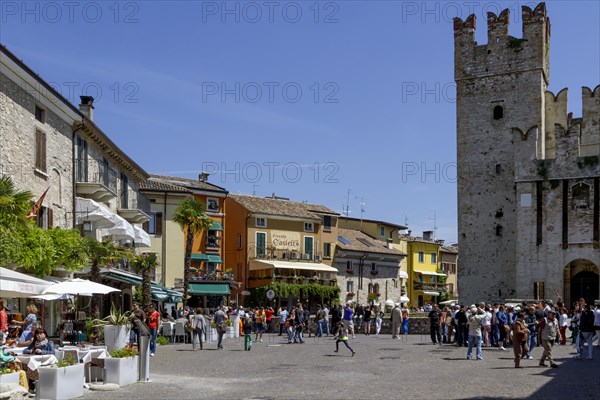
[440,242]
[203,177]
[390,244]
[87,106]
[428,235]
[409,232]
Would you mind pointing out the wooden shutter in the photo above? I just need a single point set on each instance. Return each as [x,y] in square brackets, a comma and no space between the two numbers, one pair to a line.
[146,226]
[40,150]
[50,218]
[158,224]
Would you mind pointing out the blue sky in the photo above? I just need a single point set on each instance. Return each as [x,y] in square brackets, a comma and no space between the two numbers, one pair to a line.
[304,99]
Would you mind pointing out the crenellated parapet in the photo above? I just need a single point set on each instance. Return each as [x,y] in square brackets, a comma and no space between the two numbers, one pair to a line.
[573,144]
[590,122]
[503,53]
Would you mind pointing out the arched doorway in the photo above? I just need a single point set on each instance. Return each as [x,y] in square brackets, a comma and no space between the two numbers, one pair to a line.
[581,280]
[585,284]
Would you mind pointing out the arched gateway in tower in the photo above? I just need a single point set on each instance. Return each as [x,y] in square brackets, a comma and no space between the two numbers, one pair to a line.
[582,279]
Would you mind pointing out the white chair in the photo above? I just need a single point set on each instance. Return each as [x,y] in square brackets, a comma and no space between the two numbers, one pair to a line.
[180,331]
[167,331]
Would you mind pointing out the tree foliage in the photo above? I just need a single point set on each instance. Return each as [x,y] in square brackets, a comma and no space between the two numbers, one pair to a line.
[145,264]
[14,206]
[326,294]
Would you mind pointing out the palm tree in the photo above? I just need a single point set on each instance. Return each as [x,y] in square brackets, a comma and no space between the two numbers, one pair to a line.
[101,254]
[14,205]
[146,264]
[191,218]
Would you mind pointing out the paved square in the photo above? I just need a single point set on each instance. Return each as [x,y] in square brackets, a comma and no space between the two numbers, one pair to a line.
[382,369]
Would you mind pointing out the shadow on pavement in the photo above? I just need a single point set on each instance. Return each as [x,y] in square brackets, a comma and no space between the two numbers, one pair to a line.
[574,379]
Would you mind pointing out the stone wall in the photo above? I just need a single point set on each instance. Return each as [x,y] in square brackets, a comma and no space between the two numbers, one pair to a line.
[17,154]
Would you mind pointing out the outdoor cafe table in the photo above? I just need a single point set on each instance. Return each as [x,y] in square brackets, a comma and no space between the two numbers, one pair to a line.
[84,354]
[33,361]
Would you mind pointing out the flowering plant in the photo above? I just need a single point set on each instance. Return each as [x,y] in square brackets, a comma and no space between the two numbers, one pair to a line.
[67,361]
[8,368]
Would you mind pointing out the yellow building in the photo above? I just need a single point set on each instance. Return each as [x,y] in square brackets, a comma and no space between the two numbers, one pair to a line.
[423,265]
[166,237]
[211,277]
[449,266]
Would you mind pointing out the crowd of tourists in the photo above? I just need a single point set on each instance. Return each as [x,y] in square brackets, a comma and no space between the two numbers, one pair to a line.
[524,327]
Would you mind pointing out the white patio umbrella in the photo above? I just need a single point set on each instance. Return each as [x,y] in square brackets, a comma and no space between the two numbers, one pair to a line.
[80,287]
[16,284]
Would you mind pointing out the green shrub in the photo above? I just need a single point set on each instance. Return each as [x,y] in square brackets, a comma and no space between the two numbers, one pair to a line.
[161,340]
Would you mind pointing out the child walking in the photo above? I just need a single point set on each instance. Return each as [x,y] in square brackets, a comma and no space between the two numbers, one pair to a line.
[247,329]
[342,336]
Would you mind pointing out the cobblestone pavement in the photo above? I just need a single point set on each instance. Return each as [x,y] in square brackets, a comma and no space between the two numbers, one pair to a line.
[411,368]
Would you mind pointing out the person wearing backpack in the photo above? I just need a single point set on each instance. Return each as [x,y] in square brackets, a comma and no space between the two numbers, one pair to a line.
[198,324]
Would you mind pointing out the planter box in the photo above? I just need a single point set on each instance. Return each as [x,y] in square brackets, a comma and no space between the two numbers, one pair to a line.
[9,378]
[61,383]
[230,332]
[122,371]
[115,337]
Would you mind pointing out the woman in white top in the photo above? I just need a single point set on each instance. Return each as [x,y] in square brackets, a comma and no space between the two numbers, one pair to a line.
[563,322]
[486,325]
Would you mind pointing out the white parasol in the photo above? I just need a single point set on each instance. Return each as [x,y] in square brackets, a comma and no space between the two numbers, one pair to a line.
[80,286]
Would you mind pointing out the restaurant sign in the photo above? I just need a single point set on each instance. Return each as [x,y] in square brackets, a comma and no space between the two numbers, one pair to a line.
[285,240]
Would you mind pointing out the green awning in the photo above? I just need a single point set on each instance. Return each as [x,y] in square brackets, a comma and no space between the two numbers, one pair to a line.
[159,292]
[199,257]
[214,258]
[216,226]
[209,289]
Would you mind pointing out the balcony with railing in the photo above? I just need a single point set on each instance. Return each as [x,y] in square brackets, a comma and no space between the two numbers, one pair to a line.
[271,254]
[133,206]
[430,286]
[95,181]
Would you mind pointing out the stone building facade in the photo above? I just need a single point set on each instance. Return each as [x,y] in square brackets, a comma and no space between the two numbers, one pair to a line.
[528,187]
[36,140]
[368,269]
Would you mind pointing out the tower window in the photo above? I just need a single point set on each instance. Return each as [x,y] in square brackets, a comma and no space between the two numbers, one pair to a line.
[498,112]
[498,230]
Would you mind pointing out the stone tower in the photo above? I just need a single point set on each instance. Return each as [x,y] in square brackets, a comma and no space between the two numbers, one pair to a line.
[501,86]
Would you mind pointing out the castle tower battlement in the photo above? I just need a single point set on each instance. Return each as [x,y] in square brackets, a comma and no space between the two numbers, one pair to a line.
[584,131]
[502,53]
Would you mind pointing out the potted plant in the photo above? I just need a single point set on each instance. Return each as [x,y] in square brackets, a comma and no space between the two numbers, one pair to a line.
[116,328]
[122,368]
[230,330]
[9,374]
[61,381]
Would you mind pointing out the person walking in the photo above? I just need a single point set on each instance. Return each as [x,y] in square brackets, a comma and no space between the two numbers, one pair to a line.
[548,329]
[435,318]
[396,321]
[586,332]
[367,320]
[405,319]
[336,316]
[476,317]
[137,314]
[342,336]
[562,325]
[153,324]
[348,323]
[3,319]
[326,329]
[259,324]
[247,329]
[520,338]
[219,318]
[503,327]
[299,324]
[199,325]
[283,315]
[378,320]
[532,325]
